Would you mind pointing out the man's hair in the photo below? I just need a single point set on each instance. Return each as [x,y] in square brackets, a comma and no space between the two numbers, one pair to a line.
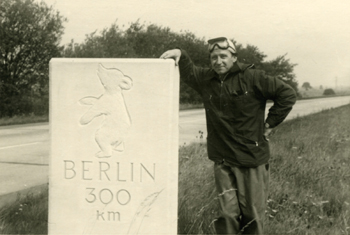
[233,54]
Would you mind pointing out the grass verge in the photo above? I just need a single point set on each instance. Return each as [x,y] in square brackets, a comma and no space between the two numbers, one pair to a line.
[23,119]
[309,185]
[191,106]
[31,118]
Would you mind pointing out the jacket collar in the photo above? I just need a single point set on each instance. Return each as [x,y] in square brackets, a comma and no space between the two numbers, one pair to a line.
[236,68]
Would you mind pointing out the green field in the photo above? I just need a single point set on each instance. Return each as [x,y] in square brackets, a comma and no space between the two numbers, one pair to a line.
[309,185]
[318,92]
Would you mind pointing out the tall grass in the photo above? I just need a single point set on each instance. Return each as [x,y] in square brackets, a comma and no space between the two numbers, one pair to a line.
[27,215]
[310,188]
[309,184]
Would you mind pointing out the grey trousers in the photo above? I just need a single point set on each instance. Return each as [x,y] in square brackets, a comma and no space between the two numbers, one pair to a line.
[242,193]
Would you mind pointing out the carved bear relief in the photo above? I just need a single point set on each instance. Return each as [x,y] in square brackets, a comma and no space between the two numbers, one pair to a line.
[111,104]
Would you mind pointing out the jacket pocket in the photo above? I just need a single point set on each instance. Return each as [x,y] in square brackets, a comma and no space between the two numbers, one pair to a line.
[210,101]
[245,141]
[234,103]
[248,152]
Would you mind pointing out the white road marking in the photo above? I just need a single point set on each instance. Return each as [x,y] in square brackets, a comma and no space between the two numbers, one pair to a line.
[19,145]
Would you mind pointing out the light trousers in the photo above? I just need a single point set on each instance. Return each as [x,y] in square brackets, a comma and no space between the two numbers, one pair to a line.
[242,193]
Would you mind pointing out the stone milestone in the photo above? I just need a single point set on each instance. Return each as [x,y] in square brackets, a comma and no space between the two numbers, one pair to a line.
[114,146]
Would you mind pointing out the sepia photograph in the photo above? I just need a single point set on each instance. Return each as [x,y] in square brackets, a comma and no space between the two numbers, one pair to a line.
[174,117]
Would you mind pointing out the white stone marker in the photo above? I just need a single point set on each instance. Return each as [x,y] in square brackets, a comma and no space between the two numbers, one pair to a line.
[114,146]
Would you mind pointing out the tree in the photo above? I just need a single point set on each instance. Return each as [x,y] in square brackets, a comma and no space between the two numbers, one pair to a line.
[279,67]
[30,33]
[306,86]
[283,69]
[250,54]
[141,41]
[150,41]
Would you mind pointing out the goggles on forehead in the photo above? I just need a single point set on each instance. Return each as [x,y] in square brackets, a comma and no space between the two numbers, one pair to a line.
[222,43]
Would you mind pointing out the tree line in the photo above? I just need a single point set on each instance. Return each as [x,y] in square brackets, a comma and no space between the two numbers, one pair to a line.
[30,34]
[29,37]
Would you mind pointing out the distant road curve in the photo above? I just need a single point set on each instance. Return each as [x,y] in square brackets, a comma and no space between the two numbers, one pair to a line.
[193,126]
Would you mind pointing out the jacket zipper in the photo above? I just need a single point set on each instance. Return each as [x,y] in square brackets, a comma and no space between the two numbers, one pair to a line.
[221,84]
[245,93]
[241,85]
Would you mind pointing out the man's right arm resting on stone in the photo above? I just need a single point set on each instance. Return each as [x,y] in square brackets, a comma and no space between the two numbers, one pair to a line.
[174,54]
[189,73]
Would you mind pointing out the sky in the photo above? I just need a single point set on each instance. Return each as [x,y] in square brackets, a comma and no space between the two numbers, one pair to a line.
[314,34]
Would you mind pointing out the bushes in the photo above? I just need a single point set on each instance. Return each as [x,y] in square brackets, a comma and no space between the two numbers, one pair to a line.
[24,105]
[329,91]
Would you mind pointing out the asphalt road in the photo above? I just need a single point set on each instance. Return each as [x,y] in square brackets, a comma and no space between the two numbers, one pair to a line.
[24,149]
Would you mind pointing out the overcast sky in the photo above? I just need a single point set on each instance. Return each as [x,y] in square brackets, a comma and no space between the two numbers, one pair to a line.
[314,34]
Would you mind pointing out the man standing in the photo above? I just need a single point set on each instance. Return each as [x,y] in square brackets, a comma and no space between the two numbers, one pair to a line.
[234,97]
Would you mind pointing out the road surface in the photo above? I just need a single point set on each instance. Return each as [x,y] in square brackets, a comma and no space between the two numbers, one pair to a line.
[24,149]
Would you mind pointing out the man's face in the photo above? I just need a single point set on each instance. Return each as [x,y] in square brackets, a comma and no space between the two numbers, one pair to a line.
[222,60]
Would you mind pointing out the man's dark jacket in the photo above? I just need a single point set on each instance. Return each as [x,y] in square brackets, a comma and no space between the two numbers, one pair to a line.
[235,110]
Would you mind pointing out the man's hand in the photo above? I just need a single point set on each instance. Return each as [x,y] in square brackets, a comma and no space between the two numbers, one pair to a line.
[174,54]
[267,131]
